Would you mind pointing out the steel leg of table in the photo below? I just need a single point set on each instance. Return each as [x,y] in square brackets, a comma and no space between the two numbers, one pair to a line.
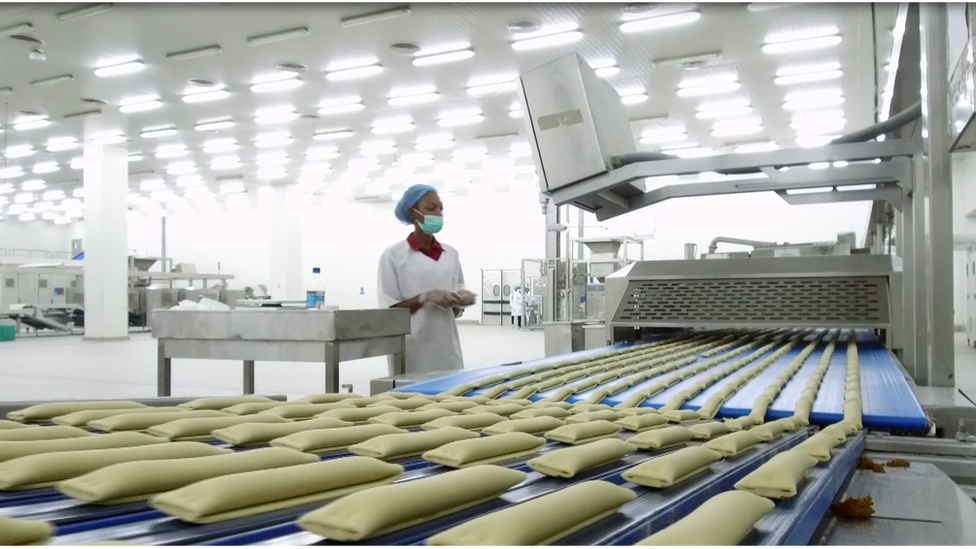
[331,367]
[248,377]
[164,371]
[400,359]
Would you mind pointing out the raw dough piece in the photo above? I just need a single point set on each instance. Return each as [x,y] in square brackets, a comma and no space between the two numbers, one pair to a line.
[404,404]
[201,427]
[818,446]
[217,403]
[44,433]
[497,391]
[585,407]
[500,409]
[509,400]
[16,449]
[485,450]
[251,434]
[852,413]
[362,402]
[778,477]
[456,407]
[742,423]
[460,390]
[377,511]
[6,425]
[638,411]
[140,480]
[586,417]
[769,431]
[399,395]
[476,399]
[473,422]
[83,417]
[321,441]
[532,426]
[542,404]
[327,398]
[673,468]
[554,411]
[43,412]
[305,411]
[659,439]
[840,430]
[543,520]
[526,392]
[569,462]
[733,444]
[581,433]
[707,431]
[357,415]
[254,407]
[24,532]
[46,469]
[723,520]
[398,446]
[642,422]
[682,416]
[247,494]
[143,421]
[407,420]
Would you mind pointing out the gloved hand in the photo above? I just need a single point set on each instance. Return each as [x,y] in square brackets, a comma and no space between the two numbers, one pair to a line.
[467,298]
[440,298]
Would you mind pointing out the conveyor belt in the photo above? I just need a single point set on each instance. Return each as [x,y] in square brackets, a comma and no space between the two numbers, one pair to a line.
[888,400]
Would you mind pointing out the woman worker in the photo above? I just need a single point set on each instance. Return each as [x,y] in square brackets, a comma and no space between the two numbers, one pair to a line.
[423,275]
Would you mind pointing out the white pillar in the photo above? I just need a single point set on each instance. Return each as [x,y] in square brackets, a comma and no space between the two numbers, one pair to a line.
[106,248]
[287,275]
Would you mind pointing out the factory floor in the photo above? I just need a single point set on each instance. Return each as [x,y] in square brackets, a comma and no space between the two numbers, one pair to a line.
[43,368]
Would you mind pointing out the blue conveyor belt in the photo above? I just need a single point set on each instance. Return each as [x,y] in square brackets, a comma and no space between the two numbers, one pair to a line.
[887,397]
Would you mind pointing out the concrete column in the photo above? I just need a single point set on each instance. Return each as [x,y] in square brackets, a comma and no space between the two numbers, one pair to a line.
[106,176]
[938,172]
[287,272]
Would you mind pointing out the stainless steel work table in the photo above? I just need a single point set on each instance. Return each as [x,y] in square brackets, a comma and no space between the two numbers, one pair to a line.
[249,335]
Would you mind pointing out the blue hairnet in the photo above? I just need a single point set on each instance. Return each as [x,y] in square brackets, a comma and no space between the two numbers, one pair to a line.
[410,198]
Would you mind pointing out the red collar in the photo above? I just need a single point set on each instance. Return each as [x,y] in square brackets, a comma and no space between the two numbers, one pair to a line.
[434,252]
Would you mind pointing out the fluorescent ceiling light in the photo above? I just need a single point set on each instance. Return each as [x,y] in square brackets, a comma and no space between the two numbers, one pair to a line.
[607,72]
[52,195]
[447,57]
[497,87]
[19,152]
[434,145]
[161,132]
[807,69]
[633,99]
[280,117]
[220,146]
[277,85]
[708,81]
[353,73]
[214,126]
[819,166]
[270,38]
[659,139]
[723,104]
[62,145]
[394,128]
[418,99]
[516,113]
[202,97]
[152,185]
[782,37]
[84,11]
[171,153]
[652,132]
[271,161]
[460,121]
[272,142]
[813,103]
[181,168]
[699,91]
[811,190]
[756,147]
[27,217]
[378,151]
[547,41]
[46,167]
[728,113]
[372,17]
[108,139]
[815,141]
[194,53]
[23,198]
[225,166]
[802,45]
[119,69]
[734,131]
[808,77]
[827,126]
[315,155]
[341,109]
[32,124]
[746,121]
[816,116]
[694,153]
[232,187]
[33,185]
[52,80]
[140,107]
[329,136]
[813,95]
[660,22]
[271,174]
[186,181]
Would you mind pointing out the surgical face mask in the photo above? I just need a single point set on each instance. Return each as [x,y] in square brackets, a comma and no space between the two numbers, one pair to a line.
[432,224]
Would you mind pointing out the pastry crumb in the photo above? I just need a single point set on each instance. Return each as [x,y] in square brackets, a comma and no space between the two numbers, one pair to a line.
[854,508]
[899,463]
[870,465]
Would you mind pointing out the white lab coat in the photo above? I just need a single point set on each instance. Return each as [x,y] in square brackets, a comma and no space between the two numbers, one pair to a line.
[517,301]
[433,344]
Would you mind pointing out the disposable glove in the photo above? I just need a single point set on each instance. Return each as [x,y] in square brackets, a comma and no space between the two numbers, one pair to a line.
[440,298]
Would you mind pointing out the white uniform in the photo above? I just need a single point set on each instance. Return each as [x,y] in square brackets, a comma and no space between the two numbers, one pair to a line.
[433,344]
[516,302]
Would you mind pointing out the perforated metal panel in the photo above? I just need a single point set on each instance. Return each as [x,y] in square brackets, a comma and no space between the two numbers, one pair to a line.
[782,302]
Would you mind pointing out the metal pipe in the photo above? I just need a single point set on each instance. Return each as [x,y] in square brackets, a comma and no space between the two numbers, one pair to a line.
[903,118]
[729,240]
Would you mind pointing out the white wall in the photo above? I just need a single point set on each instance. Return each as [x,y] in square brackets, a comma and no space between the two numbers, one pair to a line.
[34,235]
